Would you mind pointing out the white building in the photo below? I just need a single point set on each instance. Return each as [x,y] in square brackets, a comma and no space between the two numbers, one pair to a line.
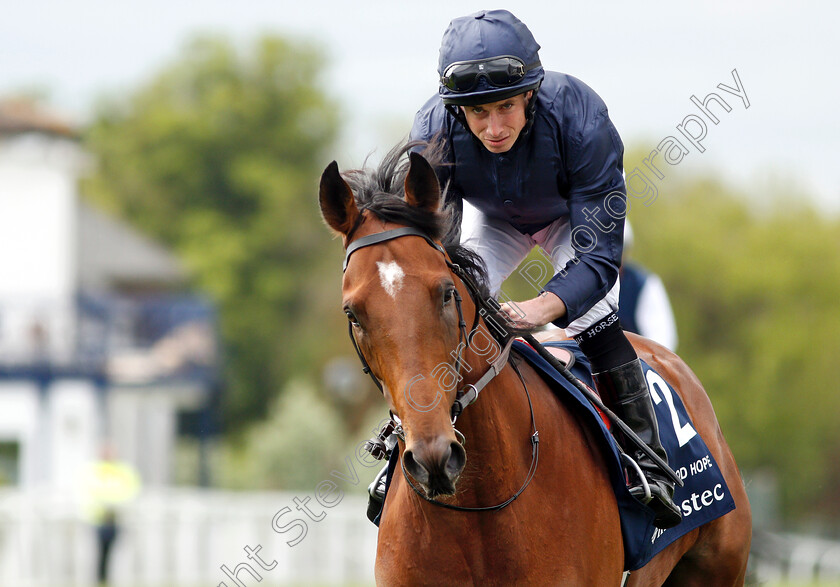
[99,343]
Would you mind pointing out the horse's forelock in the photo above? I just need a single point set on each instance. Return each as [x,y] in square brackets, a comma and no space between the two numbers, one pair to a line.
[382,192]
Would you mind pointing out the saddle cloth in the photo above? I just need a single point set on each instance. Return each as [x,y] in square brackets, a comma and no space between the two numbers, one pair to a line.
[705,495]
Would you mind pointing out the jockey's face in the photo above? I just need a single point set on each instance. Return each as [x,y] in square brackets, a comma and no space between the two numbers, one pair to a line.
[498,124]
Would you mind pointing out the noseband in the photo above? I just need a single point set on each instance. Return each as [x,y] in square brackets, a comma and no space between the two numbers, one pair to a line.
[378,446]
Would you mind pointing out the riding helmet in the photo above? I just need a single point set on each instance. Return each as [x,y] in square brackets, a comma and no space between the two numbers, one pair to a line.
[481,37]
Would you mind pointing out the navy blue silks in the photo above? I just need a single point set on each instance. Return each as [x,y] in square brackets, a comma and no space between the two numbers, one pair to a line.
[568,164]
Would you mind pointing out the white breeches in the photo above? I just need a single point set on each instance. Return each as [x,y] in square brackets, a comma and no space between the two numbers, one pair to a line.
[503,248]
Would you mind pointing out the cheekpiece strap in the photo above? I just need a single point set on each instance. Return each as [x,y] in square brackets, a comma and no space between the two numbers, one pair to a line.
[470,393]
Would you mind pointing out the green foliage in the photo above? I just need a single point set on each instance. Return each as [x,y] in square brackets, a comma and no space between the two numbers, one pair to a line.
[294,448]
[298,445]
[755,285]
[218,157]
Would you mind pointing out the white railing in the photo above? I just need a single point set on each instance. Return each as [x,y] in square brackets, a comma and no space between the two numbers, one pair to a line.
[183,538]
[795,559]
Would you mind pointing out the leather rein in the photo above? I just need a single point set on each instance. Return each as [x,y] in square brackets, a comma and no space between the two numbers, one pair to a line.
[378,446]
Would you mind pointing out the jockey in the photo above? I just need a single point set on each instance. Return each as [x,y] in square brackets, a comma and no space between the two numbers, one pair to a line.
[537,162]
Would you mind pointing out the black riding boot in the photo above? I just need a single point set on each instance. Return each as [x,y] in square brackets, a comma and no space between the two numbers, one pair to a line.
[626,387]
[376,495]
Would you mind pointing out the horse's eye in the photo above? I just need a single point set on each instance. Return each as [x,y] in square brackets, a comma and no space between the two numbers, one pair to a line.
[351,317]
[448,295]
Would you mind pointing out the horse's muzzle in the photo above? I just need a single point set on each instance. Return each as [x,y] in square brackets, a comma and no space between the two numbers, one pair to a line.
[436,465]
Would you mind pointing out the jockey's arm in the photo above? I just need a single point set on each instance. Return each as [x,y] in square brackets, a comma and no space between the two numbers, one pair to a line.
[597,203]
[538,311]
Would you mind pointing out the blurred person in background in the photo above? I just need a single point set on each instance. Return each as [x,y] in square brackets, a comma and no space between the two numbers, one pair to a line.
[643,304]
[108,485]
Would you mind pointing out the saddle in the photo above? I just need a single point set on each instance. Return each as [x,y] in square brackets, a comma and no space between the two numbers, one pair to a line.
[551,340]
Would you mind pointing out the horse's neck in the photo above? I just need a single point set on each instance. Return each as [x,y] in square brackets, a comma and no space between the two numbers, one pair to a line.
[496,428]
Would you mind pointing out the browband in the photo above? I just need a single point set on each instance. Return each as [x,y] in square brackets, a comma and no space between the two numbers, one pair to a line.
[379,237]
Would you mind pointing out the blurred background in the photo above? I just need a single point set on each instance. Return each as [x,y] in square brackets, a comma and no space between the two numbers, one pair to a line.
[179,404]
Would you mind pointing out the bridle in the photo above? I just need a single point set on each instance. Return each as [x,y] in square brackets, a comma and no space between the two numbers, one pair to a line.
[377,446]
[469,394]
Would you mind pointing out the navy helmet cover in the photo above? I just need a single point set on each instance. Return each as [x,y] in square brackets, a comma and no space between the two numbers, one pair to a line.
[483,35]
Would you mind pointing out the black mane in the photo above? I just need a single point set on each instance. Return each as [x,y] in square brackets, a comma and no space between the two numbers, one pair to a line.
[382,192]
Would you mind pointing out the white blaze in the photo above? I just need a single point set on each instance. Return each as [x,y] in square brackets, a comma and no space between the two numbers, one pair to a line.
[391,276]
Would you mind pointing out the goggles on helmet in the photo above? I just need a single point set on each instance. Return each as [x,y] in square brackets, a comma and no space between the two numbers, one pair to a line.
[500,72]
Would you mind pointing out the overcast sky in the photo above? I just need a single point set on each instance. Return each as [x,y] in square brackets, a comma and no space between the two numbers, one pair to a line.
[646,59]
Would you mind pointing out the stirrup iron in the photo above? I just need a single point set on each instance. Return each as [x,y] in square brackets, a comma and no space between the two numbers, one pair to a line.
[642,493]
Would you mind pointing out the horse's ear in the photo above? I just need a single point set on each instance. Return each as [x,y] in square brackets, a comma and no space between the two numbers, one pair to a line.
[422,188]
[338,206]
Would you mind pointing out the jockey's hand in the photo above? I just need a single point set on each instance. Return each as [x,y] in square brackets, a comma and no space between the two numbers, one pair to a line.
[535,312]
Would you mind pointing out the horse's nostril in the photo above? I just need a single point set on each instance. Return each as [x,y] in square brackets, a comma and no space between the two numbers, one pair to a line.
[456,461]
[416,470]
[436,465]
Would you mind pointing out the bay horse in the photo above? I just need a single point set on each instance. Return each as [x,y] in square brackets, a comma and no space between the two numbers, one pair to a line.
[419,330]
